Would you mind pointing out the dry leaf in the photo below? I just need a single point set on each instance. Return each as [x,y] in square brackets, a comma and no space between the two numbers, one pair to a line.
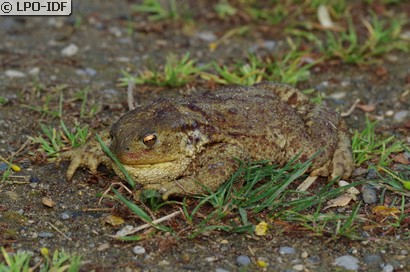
[113,220]
[383,210]
[351,190]
[48,202]
[401,158]
[344,199]
[212,46]
[261,229]
[324,17]
[366,107]
[340,201]
[381,71]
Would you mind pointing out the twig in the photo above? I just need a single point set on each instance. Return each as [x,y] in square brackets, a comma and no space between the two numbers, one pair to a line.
[59,231]
[97,209]
[27,142]
[130,97]
[109,189]
[306,183]
[351,109]
[159,220]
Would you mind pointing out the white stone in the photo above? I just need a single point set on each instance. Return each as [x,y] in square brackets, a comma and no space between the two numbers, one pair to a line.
[14,73]
[138,250]
[70,50]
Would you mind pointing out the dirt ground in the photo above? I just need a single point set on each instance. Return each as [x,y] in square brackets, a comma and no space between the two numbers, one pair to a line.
[33,46]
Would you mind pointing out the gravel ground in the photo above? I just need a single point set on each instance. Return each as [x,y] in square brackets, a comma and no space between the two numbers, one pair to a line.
[90,49]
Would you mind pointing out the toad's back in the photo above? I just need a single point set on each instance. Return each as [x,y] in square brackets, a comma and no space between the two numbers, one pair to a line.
[268,120]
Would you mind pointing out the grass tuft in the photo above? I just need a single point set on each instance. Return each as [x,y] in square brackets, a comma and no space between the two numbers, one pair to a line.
[56,140]
[382,37]
[262,189]
[399,181]
[175,73]
[247,73]
[224,9]
[158,10]
[60,261]
[368,147]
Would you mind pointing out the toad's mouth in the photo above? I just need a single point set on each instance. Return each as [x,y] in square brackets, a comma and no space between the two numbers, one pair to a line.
[147,164]
[134,160]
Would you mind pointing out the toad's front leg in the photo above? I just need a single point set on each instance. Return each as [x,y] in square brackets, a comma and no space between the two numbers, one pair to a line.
[89,155]
[208,171]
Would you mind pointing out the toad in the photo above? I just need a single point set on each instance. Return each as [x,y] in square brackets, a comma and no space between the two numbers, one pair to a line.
[181,146]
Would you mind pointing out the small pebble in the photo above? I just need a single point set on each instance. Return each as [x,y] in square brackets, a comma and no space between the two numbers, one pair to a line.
[345,83]
[90,71]
[338,95]
[372,174]
[65,215]
[211,259]
[267,45]
[243,260]
[405,35]
[286,250]
[313,260]
[369,194]
[86,72]
[138,250]
[3,166]
[45,235]
[124,231]
[221,270]
[70,50]
[298,267]
[404,252]
[389,113]
[115,31]
[34,180]
[14,73]
[56,22]
[400,116]
[392,58]
[304,255]
[388,268]
[372,259]
[206,36]
[365,234]
[322,86]
[34,71]
[347,262]
[123,59]
[163,263]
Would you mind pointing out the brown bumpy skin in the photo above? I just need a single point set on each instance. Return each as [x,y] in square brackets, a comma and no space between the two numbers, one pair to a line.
[186,145]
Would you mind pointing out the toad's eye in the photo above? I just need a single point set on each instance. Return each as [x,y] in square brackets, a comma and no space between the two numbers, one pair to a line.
[149,139]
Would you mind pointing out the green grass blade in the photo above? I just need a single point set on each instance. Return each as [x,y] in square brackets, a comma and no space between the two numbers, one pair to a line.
[117,162]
